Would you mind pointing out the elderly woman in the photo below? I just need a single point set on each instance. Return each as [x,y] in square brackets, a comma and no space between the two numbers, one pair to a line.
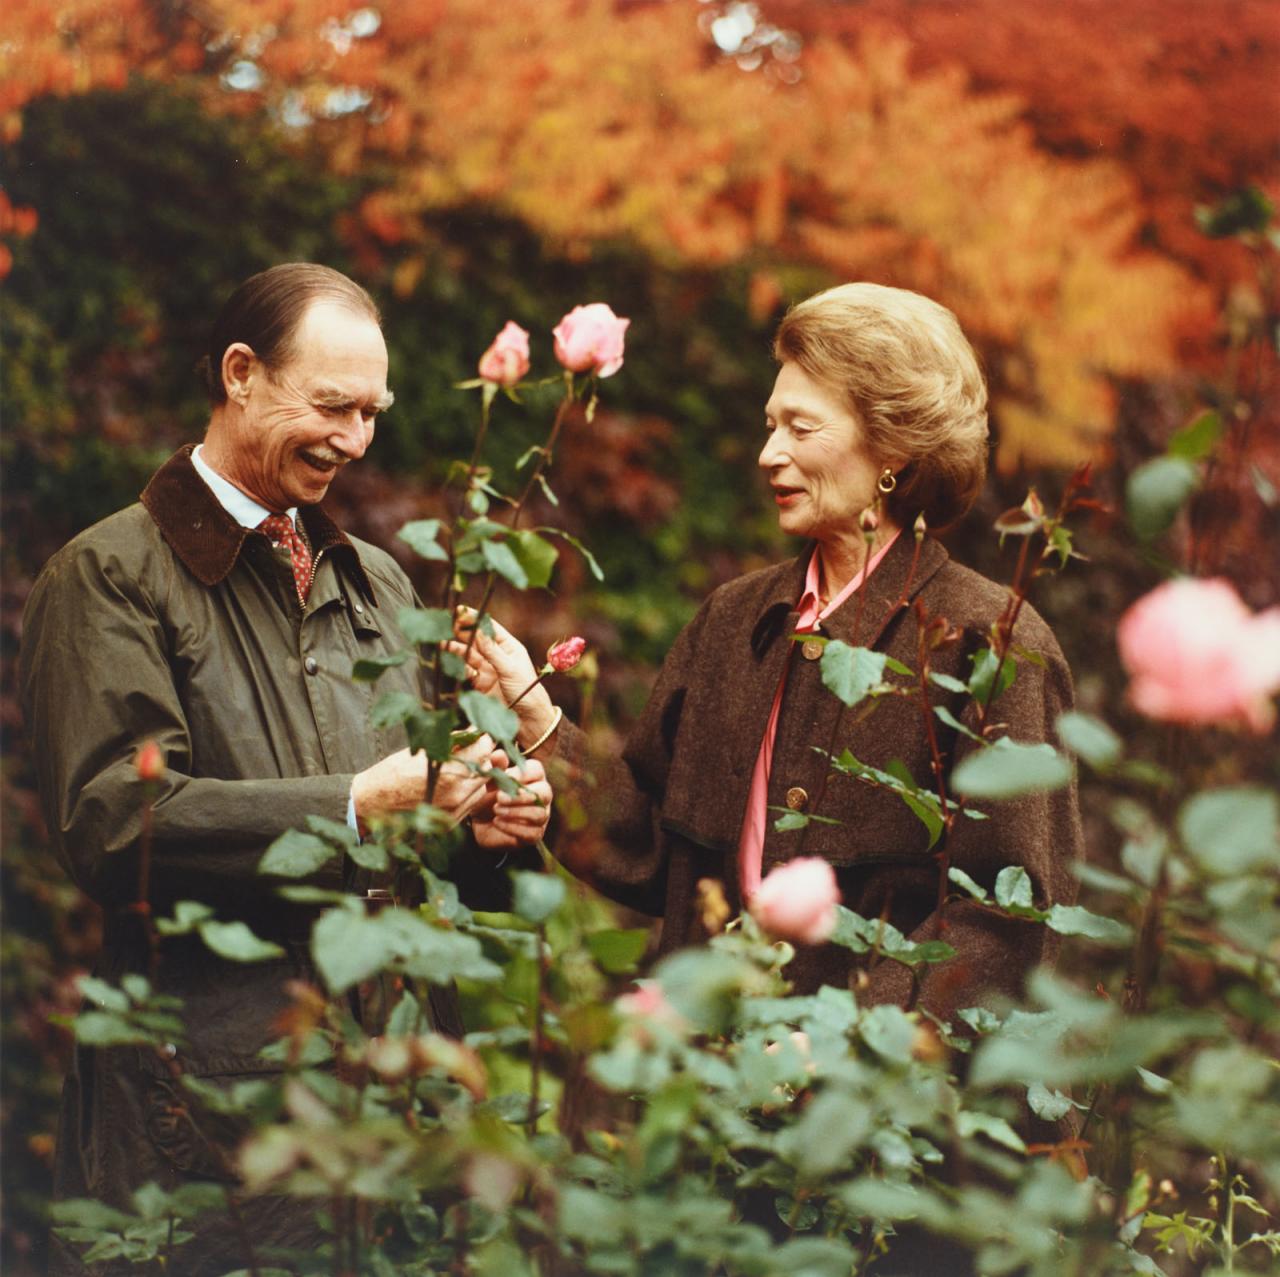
[878,416]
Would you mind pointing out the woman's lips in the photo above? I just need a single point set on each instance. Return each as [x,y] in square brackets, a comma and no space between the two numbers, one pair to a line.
[787,496]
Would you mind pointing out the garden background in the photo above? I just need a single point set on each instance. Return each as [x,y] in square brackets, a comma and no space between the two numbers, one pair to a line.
[1085,183]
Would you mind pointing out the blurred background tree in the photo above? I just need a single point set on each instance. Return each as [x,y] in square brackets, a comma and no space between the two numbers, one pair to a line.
[698,165]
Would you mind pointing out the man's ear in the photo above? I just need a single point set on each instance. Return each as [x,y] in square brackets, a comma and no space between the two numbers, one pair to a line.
[239,367]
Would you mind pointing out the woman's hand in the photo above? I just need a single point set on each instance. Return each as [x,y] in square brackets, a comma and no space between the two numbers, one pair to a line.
[509,820]
[500,666]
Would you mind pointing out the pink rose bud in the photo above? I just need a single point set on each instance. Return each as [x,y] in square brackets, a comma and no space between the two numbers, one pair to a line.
[507,359]
[868,520]
[590,339]
[1196,654]
[920,526]
[797,901]
[149,761]
[563,656]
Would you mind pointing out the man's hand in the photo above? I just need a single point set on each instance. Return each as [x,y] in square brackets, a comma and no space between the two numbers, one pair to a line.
[508,820]
[399,782]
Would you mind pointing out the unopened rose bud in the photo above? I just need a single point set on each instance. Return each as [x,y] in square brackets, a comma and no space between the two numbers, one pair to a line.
[149,761]
[921,527]
[1033,507]
[926,1045]
[507,359]
[390,1058]
[563,656]
[868,520]
[713,908]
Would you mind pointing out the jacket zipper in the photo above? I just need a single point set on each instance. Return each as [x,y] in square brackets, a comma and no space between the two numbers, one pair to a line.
[311,580]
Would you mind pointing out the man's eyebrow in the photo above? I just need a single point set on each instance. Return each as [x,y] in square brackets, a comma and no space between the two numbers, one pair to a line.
[332,397]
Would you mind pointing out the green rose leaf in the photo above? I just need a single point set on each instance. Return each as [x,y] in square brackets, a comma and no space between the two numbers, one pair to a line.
[499,558]
[1091,739]
[429,731]
[1050,1105]
[1013,887]
[420,536]
[888,1031]
[536,555]
[487,714]
[235,942]
[371,668]
[537,895]
[984,686]
[337,832]
[348,947]
[1156,491]
[1232,831]
[295,855]
[1009,768]
[618,951]
[425,624]
[851,672]
[1074,920]
[102,994]
[1196,440]
[994,1128]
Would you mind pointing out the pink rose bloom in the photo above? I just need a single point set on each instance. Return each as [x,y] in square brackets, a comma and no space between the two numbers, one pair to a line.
[507,359]
[1196,654]
[590,339]
[797,901]
[563,656]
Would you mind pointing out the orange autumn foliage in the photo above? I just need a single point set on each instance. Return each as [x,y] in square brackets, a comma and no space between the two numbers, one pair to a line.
[593,120]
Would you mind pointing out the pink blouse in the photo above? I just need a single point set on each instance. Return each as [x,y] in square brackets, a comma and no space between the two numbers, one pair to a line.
[751,840]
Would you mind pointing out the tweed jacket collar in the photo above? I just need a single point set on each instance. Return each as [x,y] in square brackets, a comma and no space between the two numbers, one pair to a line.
[208,540]
[891,588]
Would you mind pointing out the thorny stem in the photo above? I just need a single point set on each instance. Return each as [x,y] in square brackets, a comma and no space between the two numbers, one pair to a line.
[544,458]
[943,855]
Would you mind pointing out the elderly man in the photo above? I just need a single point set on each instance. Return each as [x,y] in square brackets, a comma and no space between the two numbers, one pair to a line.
[220,618]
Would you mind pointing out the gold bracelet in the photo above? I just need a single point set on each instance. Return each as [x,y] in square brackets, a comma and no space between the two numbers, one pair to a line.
[546,736]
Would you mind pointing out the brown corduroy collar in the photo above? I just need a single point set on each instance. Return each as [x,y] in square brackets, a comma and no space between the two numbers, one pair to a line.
[895,582]
[208,540]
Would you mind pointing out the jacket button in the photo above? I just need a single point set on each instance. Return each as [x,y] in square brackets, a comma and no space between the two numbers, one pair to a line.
[811,650]
[796,798]
[359,609]
[311,665]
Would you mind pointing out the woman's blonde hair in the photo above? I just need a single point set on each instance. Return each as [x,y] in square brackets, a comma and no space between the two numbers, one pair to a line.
[909,373]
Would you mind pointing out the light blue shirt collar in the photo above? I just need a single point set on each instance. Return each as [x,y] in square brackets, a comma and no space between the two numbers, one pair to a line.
[241,507]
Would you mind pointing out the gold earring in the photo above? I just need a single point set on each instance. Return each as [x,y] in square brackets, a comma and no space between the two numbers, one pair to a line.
[887,481]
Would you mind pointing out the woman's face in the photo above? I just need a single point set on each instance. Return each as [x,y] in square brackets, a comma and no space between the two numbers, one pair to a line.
[819,470]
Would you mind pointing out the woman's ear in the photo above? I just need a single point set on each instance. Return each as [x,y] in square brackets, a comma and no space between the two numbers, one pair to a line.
[239,366]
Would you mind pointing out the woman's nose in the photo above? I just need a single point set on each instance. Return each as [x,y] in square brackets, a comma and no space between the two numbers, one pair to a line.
[773,453]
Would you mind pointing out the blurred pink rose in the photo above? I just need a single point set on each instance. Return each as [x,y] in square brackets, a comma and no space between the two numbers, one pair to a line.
[797,901]
[149,761]
[647,1000]
[590,339]
[1196,654]
[563,656]
[507,359]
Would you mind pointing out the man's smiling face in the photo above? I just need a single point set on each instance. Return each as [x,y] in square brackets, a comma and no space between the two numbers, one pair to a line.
[295,426]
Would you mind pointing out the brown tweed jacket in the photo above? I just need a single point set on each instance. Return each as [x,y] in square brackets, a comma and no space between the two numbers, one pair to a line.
[672,806]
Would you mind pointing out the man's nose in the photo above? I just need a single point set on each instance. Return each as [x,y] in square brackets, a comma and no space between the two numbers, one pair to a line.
[352,435]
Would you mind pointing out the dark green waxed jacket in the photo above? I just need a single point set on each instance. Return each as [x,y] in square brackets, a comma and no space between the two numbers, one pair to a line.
[169,621]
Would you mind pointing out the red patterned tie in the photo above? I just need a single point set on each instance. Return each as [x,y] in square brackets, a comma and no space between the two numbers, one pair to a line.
[279,527]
